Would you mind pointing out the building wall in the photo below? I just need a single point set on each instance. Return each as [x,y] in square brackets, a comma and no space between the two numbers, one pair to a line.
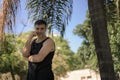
[85,74]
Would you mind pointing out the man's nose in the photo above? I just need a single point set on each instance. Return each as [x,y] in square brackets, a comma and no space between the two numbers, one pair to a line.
[39,30]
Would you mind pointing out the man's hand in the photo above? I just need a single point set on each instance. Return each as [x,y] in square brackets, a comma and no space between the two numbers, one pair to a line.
[33,58]
[33,34]
[30,58]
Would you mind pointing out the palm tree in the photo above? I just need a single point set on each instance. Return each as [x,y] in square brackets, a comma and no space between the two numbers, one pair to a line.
[8,10]
[100,33]
[7,18]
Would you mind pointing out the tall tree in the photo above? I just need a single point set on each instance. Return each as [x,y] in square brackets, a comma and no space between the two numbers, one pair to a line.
[8,11]
[100,33]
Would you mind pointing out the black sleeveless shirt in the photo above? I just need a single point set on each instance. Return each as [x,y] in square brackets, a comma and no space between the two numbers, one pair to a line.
[40,70]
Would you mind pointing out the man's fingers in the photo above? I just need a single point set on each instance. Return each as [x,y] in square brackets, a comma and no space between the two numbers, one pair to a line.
[34,33]
[30,58]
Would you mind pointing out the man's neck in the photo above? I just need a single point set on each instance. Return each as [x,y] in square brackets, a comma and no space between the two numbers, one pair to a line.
[41,37]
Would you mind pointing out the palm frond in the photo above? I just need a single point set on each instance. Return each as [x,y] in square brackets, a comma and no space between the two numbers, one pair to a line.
[55,12]
[8,13]
[8,9]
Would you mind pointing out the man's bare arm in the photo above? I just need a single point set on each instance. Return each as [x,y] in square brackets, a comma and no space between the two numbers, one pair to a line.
[27,46]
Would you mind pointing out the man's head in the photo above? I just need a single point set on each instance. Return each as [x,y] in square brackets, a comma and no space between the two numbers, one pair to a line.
[40,27]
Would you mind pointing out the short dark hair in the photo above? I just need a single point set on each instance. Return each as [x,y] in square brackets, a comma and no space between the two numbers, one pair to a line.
[39,22]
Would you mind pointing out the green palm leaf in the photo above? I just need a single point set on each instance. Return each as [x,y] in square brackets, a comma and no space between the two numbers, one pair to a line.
[55,12]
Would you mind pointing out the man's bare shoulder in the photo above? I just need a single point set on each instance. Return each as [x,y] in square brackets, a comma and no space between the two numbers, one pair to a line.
[49,41]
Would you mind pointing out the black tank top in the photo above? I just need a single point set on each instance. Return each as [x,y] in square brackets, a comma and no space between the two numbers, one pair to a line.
[34,68]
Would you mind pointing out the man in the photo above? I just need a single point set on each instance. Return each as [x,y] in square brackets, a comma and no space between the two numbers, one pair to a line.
[40,52]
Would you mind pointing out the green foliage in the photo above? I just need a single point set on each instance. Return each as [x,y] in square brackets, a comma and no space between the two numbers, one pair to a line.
[12,58]
[113,10]
[114,35]
[86,52]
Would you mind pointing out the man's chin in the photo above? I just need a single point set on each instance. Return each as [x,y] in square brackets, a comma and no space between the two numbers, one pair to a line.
[39,35]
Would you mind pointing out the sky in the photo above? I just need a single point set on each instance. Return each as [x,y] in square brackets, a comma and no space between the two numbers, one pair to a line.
[78,16]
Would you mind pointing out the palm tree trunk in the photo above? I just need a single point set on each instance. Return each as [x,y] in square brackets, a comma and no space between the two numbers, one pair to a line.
[101,40]
[1,30]
[118,8]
